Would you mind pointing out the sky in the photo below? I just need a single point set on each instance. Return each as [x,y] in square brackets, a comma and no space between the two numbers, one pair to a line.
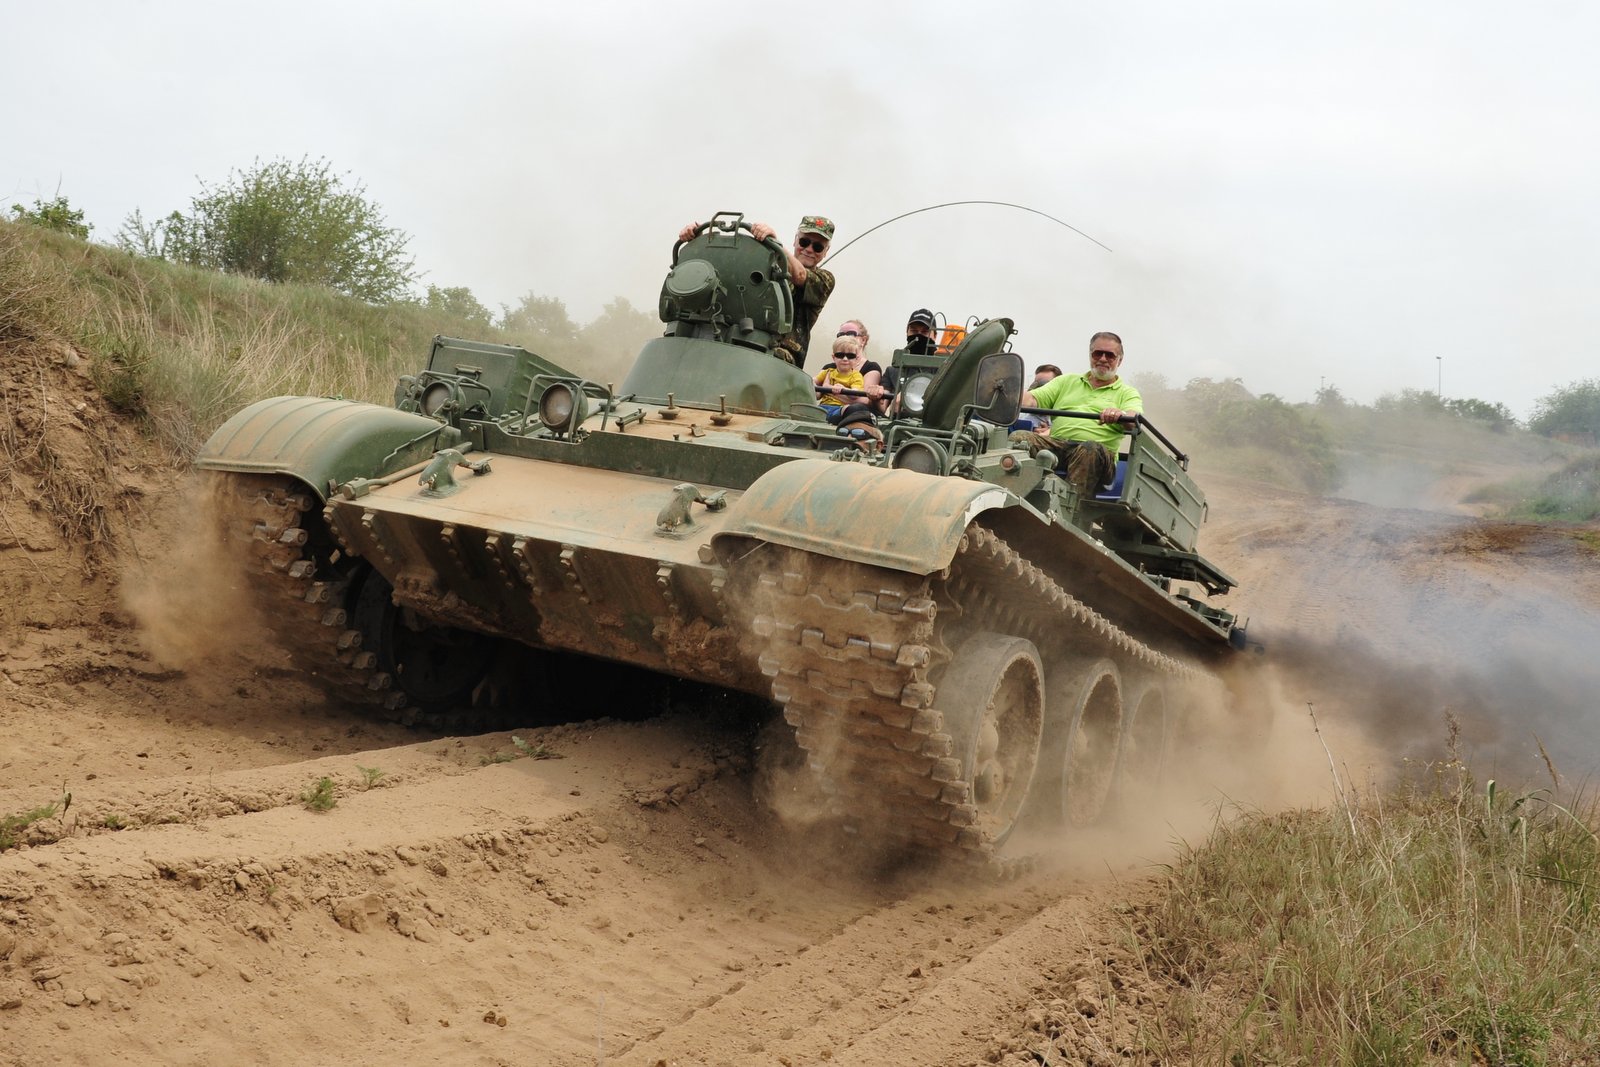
[1374,196]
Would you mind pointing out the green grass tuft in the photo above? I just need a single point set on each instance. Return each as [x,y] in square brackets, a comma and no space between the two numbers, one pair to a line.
[320,796]
[11,826]
[1571,494]
[539,751]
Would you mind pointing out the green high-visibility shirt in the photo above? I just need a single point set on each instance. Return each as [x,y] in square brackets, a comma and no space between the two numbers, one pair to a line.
[1078,392]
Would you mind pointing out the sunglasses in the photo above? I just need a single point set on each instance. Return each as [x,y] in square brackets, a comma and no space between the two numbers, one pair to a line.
[1101,353]
[846,355]
[847,333]
[811,242]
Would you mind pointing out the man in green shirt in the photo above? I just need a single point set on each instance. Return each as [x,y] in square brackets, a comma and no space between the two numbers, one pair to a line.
[1085,447]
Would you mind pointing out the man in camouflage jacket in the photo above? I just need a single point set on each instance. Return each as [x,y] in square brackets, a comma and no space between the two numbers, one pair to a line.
[812,284]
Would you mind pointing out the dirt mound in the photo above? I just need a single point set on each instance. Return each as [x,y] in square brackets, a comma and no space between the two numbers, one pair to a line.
[76,477]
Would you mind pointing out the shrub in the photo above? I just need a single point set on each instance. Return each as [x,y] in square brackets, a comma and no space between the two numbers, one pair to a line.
[1571,409]
[1263,434]
[285,222]
[57,215]
[319,796]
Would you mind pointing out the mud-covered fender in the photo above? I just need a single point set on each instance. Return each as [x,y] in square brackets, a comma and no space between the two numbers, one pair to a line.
[885,518]
[323,441]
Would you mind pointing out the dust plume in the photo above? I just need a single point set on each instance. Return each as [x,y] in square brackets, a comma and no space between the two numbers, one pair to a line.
[191,603]
[1386,620]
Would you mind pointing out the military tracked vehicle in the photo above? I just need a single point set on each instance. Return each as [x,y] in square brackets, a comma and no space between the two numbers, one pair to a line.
[956,636]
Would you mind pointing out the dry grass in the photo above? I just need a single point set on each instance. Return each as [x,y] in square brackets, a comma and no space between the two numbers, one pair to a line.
[181,349]
[1447,922]
[62,473]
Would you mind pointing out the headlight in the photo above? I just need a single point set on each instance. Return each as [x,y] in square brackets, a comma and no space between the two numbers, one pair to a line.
[924,457]
[913,398]
[562,407]
[435,397]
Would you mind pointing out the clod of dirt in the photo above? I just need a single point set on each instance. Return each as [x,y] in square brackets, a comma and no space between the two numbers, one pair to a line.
[360,913]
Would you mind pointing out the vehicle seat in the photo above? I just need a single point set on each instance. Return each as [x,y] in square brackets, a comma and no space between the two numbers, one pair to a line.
[1114,490]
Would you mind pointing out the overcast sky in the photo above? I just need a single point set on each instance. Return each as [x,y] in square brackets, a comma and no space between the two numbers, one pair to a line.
[1378,195]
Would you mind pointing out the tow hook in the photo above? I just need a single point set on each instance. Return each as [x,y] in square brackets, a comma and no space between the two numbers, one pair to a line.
[677,510]
[438,477]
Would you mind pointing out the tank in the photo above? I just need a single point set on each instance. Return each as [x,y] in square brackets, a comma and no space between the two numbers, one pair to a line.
[958,640]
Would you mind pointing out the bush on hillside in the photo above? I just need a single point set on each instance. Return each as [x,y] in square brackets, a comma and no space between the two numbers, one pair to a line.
[1272,437]
[541,319]
[285,222]
[1413,403]
[57,215]
[1572,409]
[458,302]
[603,348]
[1571,494]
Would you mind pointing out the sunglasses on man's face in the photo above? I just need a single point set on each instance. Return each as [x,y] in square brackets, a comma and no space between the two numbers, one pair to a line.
[811,242]
[1101,353]
[847,333]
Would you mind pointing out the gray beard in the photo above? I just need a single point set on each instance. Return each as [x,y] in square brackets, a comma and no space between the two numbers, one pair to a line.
[1102,376]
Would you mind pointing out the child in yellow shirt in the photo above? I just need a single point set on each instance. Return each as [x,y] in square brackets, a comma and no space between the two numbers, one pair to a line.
[845,373]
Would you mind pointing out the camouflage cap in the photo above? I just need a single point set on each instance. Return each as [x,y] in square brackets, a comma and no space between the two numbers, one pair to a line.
[817,224]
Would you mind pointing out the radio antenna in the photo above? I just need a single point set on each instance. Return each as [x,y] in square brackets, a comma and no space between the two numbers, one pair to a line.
[960,203]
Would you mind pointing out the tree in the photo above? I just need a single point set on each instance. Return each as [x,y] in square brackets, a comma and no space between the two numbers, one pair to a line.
[459,302]
[1330,399]
[622,329]
[542,317]
[1410,402]
[1496,416]
[55,215]
[285,222]
[1571,409]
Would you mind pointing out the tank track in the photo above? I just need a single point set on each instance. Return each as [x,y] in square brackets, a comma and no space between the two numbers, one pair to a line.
[851,649]
[303,598]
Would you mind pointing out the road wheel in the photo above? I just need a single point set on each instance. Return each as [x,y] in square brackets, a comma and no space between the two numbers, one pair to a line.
[1086,713]
[439,667]
[1144,747]
[992,696]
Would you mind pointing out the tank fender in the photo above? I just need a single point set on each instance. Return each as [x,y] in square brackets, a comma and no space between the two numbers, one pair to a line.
[323,441]
[898,519]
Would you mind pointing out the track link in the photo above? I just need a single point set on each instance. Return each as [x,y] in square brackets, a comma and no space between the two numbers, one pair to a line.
[302,592]
[854,653]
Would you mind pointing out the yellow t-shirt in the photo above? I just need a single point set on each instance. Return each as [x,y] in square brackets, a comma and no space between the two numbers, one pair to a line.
[845,380]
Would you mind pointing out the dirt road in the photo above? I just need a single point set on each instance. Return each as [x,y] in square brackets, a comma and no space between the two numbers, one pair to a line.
[635,898]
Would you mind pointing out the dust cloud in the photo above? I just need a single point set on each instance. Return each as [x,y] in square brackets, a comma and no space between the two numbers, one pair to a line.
[1390,622]
[192,606]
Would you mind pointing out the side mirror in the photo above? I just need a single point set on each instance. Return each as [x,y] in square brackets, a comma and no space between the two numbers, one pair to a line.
[997,394]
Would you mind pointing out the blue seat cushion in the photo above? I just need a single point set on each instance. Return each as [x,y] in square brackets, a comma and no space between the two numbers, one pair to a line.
[1114,490]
